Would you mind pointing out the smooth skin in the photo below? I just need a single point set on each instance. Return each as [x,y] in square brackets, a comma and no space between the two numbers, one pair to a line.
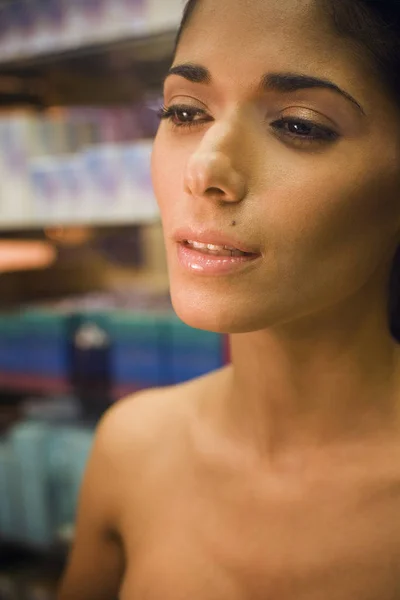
[279,476]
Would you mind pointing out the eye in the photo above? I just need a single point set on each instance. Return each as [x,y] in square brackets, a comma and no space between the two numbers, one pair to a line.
[183,116]
[304,131]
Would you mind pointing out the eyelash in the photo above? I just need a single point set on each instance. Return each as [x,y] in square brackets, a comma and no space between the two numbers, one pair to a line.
[324,134]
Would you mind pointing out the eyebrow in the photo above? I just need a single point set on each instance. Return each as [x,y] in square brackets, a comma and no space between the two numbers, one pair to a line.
[278,82]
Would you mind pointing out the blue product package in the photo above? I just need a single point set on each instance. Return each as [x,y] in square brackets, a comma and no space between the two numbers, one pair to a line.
[136,350]
[13,350]
[46,335]
[4,349]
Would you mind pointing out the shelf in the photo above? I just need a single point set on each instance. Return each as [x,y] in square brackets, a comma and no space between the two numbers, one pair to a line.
[33,384]
[34,35]
[24,225]
[151,45]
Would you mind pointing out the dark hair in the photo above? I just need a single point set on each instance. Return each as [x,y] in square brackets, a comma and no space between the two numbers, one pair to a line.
[373,26]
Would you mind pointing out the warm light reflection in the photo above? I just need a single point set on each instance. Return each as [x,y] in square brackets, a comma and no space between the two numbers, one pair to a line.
[16,255]
[69,236]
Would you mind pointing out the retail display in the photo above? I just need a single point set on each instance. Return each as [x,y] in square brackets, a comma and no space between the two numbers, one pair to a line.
[39,27]
[146,349]
[86,165]
[77,165]
[42,460]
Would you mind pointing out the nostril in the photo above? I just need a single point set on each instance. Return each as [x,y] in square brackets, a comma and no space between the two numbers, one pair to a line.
[215,191]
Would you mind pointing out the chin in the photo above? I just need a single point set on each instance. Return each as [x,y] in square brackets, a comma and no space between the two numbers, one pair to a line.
[213,311]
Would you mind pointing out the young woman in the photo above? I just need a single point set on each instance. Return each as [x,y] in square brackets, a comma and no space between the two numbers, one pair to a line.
[277,170]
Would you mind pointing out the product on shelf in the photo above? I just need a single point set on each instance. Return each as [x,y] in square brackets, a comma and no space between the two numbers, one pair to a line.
[42,462]
[77,165]
[100,343]
[33,343]
[37,27]
[21,140]
[63,345]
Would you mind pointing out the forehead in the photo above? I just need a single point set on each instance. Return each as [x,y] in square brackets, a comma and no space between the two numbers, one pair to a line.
[239,40]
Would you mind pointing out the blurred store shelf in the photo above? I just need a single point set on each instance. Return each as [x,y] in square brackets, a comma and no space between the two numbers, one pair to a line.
[80,162]
[144,46]
[47,31]
[80,88]
[25,224]
[78,165]
[32,384]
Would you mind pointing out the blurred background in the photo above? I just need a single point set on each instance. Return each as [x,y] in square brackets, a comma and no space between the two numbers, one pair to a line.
[85,313]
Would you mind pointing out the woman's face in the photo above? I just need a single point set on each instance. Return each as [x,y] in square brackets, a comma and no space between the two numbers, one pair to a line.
[252,156]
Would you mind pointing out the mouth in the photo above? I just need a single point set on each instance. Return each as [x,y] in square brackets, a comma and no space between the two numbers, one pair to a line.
[214,254]
[217,250]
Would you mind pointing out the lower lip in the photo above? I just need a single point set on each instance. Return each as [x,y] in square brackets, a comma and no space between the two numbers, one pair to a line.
[209,264]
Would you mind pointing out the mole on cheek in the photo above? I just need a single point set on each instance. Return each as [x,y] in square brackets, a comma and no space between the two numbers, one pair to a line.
[233,223]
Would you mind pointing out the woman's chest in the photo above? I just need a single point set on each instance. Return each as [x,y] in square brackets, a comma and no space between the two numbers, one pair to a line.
[213,547]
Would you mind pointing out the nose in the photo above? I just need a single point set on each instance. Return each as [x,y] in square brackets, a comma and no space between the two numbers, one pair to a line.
[212,175]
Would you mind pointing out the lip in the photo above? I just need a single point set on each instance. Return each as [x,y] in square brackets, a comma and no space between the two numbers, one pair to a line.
[216,238]
[198,263]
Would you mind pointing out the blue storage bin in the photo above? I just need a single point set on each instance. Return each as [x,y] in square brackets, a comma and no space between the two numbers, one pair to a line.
[136,351]
[45,337]
[13,349]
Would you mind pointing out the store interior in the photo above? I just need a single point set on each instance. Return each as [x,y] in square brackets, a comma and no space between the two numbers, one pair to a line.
[85,312]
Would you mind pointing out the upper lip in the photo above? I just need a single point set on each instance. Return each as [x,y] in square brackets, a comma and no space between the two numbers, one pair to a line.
[216,238]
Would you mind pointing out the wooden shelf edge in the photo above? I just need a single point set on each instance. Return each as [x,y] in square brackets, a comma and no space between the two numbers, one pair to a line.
[158,37]
[33,384]
[106,222]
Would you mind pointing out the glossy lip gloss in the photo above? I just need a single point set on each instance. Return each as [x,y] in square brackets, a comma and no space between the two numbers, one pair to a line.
[212,253]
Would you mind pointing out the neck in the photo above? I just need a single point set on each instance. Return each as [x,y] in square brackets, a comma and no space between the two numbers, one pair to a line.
[331,377]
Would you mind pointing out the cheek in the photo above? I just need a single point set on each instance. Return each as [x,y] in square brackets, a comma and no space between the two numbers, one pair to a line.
[322,210]
[167,166]
[328,227]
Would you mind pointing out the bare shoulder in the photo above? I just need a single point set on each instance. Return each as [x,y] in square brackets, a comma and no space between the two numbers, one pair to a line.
[140,422]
